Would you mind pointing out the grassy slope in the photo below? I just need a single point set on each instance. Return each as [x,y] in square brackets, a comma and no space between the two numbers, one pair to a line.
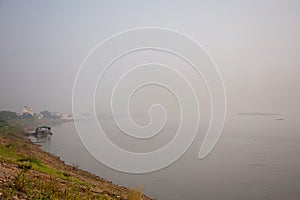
[27,172]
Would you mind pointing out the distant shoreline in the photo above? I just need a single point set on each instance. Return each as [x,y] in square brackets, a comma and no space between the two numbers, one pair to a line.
[259,114]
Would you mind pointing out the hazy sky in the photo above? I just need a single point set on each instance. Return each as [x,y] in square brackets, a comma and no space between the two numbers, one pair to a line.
[256,45]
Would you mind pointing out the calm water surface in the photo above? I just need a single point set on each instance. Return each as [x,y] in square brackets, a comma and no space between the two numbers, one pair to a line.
[257,157]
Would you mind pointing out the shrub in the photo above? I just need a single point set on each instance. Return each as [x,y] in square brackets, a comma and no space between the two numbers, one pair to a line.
[134,194]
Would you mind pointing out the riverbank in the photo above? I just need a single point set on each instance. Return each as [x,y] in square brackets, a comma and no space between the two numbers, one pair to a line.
[28,172]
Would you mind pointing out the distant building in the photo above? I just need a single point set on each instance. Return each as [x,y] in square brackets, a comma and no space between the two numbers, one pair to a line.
[27,110]
[67,116]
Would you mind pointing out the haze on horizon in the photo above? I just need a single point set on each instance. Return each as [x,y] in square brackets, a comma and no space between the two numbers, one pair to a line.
[255,44]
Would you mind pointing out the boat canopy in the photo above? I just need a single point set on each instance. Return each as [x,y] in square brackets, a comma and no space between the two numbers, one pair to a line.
[42,127]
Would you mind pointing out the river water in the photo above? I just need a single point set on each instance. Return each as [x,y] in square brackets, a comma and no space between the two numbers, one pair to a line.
[257,157]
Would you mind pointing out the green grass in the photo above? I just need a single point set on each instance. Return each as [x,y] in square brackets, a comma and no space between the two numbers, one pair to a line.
[8,154]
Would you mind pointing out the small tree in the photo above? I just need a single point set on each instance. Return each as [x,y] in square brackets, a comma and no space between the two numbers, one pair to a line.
[27,116]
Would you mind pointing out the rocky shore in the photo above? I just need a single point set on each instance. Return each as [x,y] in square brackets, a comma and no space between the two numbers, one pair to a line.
[28,172]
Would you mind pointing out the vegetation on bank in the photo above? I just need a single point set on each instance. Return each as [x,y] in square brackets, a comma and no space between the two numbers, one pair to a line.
[26,119]
[27,172]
